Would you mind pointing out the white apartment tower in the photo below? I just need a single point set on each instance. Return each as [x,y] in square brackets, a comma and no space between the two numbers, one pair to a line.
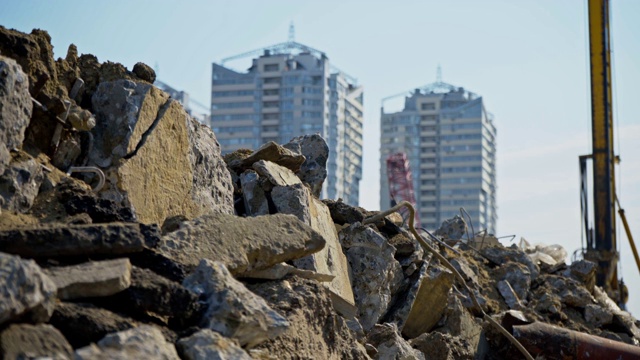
[291,90]
[449,139]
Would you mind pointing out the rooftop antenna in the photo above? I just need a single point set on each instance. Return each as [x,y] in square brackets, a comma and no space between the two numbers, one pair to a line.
[292,33]
[439,74]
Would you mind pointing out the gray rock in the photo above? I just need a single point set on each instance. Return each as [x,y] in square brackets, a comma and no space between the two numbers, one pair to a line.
[518,276]
[20,183]
[452,229]
[509,295]
[276,174]
[233,310]
[376,274]
[15,108]
[399,312]
[24,341]
[316,152]
[570,291]
[438,346]
[242,244]
[459,322]
[255,200]
[465,270]
[500,255]
[91,279]
[25,290]
[137,125]
[390,345]
[270,152]
[343,213]
[143,342]
[73,240]
[597,315]
[585,272]
[209,345]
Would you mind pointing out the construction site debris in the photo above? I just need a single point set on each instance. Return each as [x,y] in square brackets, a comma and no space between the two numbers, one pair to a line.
[92,279]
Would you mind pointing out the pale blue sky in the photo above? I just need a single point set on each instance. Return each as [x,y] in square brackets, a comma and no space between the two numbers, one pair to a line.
[528,59]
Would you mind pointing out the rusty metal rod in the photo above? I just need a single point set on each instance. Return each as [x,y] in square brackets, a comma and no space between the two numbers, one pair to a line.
[554,342]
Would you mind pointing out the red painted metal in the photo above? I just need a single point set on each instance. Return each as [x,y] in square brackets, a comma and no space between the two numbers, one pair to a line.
[401,183]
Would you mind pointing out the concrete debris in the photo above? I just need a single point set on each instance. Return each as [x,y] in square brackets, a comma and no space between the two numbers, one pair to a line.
[233,310]
[25,341]
[26,290]
[92,279]
[242,244]
[388,343]
[15,108]
[210,345]
[250,263]
[452,229]
[313,170]
[376,274]
[143,342]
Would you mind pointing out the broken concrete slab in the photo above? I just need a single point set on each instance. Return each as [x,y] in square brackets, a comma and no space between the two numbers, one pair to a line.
[376,274]
[276,174]
[137,125]
[20,182]
[390,345]
[430,302]
[255,200]
[569,290]
[25,341]
[76,240]
[331,260]
[91,279]
[438,346]
[313,170]
[406,296]
[518,275]
[585,272]
[242,244]
[143,342]
[500,255]
[26,290]
[233,310]
[210,345]
[460,323]
[15,108]
[272,152]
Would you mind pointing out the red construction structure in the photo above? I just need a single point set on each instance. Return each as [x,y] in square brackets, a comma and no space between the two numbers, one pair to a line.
[401,184]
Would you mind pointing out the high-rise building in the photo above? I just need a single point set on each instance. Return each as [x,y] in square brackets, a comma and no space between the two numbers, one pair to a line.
[449,139]
[291,90]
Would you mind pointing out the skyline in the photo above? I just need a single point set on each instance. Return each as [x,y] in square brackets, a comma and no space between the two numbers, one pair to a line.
[528,60]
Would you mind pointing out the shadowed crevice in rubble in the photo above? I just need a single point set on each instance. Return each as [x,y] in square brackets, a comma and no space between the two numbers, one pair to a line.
[161,111]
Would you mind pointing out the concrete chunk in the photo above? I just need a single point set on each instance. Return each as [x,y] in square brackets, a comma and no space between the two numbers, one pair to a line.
[73,240]
[255,200]
[509,295]
[233,310]
[274,153]
[143,342]
[276,174]
[25,289]
[209,345]
[430,302]
[242,244]
[24,341]
[331,260]
[316,152]
[91,279]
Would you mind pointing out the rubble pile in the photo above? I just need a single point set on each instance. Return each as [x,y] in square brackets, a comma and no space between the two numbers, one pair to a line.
[125,234]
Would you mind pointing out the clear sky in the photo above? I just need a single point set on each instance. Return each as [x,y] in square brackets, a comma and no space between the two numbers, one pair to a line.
[528,59]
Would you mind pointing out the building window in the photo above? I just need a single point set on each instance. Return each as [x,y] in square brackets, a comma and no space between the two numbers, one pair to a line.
[428,106]
[271,80]
[271,67]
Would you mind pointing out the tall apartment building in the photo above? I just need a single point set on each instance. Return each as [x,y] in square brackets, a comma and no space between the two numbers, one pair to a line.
[449,139]
[292,90]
